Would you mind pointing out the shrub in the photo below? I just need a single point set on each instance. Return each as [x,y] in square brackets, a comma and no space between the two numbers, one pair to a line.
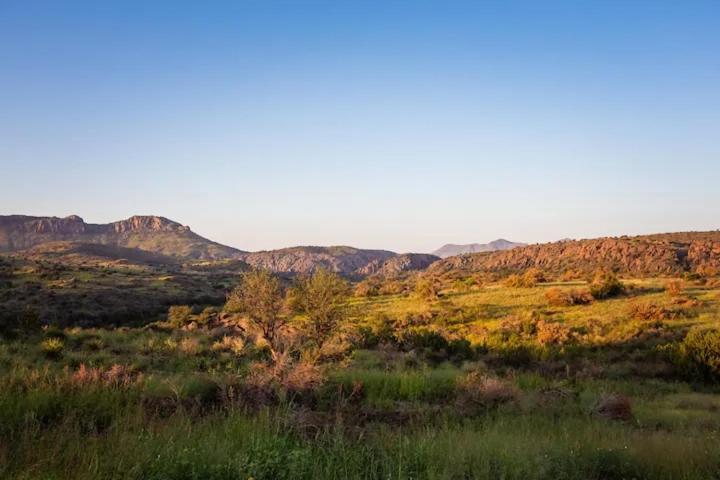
[613,407]
[557,297]
[366,288]
[427,288]
[235,345]
[476,390]
[190,346]
[675,288]
[699,353]
[606,285]
[646,311]
[529,279]
[553,333]
[179,315]
[322,299]
[260,297]
[52,347]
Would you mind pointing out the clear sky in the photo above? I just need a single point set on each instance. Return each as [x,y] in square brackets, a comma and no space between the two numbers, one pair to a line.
[398,125]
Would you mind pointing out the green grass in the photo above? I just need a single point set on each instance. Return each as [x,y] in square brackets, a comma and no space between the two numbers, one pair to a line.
[186,417]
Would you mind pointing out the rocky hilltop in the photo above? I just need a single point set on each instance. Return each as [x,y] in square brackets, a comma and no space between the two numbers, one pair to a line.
[150,233]
[348,261]
[451,249]
[661,254]
[153,239]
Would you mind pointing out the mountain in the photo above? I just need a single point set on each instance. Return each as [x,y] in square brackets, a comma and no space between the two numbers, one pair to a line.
[398,264]
[348,261]
[149,233]
[660,254]
[451,250]
[157,240]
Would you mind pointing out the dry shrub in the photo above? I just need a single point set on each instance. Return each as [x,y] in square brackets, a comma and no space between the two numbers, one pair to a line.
[614,407]
[189,346]
[282,378]
[553,333]
[675,288]
[117,376]
[234,345]
[647,311]
[557,297]
[366,288]
[479,390]
[179,315]
[52,347]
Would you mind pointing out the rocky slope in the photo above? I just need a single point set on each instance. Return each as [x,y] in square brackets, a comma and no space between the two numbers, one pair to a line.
[397,265]
[149,233]
[451,249]
[153,239]
[662,254]
[302,260]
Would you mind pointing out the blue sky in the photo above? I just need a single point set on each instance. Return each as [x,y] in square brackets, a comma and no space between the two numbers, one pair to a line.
[398,125]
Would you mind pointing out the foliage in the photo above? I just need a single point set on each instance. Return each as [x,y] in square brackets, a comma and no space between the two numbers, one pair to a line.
[699,353]
[558,297]
[322,299]
[260,297]
[52,347]
[606,285]
[179,315]
[427,288]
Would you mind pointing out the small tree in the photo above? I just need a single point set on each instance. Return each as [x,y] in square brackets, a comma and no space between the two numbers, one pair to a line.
[322,297]
[260,297]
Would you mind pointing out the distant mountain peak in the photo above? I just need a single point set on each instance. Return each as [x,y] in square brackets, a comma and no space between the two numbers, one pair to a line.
[148,223]
[150,233]
[451,249]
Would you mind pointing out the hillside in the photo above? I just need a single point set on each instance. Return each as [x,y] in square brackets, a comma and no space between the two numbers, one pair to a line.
[149,233]
[347,261]
[649,255]
[450,249]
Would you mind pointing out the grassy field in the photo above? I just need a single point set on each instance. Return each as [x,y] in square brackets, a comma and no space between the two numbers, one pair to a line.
[482,381]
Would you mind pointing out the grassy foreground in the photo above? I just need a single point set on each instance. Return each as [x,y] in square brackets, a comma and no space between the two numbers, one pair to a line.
[509,394]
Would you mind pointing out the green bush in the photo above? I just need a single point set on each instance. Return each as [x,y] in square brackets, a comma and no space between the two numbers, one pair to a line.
[606,285]
[699,353]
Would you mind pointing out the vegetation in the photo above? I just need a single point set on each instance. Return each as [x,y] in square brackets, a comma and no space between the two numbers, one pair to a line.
[418,376]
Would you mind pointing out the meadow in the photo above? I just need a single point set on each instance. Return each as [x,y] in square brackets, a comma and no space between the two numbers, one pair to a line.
[458,379]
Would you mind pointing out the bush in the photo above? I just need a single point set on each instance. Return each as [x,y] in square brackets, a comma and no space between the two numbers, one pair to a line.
[699,353]
[529,279]
[557,297]
[606,285]
[675,288]
[614,407]
[366,288]
[476,390]
[179,315]
[427,288]
[553,333]
[52,347]
[646,311]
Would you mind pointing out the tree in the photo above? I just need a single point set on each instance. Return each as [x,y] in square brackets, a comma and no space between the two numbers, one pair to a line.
[322,297]
[260,296]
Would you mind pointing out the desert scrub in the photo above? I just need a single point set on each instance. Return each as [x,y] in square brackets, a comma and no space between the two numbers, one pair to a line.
[699,353]
[606,285]
[557,297]
[52,347]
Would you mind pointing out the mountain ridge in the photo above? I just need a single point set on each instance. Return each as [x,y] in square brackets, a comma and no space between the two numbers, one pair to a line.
[156,239]
[452,249]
